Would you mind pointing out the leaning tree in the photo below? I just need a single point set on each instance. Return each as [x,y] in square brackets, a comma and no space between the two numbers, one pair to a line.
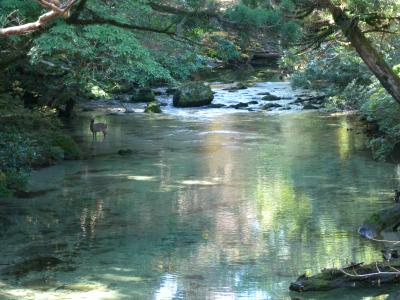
[358,21]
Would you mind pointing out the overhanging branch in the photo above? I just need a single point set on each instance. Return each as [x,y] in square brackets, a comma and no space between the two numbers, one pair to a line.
[55,12]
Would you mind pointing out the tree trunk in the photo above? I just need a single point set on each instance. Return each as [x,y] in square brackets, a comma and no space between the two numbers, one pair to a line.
[375,62]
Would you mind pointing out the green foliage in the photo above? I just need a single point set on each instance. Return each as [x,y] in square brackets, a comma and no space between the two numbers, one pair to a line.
[17,152]
[290,32]
[258,16]
[253,17]
[29,138]
[179,60]
[224,49]
[97,53]
[332,71]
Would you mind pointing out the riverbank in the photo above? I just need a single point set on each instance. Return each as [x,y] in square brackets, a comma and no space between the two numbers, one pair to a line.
[29,139]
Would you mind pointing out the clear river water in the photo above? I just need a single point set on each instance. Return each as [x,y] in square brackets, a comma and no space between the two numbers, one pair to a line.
[212,204]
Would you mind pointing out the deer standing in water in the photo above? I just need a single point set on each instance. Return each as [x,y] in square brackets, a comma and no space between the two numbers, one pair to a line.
[98,127]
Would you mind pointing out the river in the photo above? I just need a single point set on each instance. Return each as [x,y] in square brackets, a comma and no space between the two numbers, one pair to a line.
[211,204]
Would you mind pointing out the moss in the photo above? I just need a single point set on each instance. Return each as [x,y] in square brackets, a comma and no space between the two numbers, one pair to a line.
[153,107]
[193,94]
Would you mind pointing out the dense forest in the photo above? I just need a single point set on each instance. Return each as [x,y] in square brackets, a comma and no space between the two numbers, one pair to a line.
[58,57]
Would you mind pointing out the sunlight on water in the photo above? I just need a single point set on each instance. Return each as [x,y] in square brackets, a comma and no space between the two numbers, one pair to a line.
[231,206]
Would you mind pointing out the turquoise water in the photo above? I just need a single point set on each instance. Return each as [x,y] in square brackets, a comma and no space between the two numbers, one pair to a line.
[208,206]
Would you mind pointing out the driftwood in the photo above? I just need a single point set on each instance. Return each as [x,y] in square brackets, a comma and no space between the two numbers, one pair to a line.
[373,274]
[358,274]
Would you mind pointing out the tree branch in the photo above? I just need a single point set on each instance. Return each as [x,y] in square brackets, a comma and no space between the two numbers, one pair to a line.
[103,21]
[56,11]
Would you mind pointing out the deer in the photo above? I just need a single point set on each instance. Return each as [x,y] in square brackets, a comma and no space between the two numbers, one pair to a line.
[98,127]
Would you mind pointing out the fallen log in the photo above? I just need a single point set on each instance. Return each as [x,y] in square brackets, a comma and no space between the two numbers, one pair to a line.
[374,274]
[359,275]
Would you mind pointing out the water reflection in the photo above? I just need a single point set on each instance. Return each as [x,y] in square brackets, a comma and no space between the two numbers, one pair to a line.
[230,207]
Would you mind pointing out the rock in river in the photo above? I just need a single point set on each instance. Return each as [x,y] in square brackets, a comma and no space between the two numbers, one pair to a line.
[239,105]
[216,105]
[153,107]
[271,105]
[270,97]
[193,94]
[125,151]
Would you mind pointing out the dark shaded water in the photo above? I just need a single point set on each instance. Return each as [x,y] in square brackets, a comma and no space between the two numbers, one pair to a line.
[209,206]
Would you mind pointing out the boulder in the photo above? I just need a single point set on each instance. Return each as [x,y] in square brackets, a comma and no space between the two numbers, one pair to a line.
[153,107]
[37,264]
[143,95]
[271,105]
[239,105]
[241,86]
[270,97]
[193,94]
[252,102]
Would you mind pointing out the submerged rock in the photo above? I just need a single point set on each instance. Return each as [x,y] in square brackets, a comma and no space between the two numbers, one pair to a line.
[239,105]
[33,194]
[216,105]
[310,106]
[41,284]
[125,151]
[34,264]
[193,94]
[270,105]
[153,107]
